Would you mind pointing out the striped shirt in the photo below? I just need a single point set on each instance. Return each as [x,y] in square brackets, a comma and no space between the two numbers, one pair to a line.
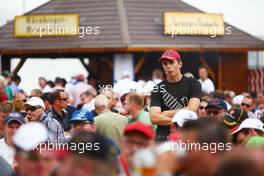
[56,132]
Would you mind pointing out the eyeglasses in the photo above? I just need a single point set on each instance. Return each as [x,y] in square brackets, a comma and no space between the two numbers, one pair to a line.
[213,112]
[202,107]
[244,104]
[32,108]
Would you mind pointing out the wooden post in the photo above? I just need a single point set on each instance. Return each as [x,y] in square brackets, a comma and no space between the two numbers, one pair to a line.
[19,66]
[210,70]
[5,63]
[139,65]
[219,66]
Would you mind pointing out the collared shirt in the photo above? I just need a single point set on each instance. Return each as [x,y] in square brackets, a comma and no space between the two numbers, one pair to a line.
[111,125]
[7,152]
[56,132]
[62,119]
[76,91]
[14,88]
[207,85]
[143,117]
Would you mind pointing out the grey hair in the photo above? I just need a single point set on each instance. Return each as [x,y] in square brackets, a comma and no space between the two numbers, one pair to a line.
[101,101]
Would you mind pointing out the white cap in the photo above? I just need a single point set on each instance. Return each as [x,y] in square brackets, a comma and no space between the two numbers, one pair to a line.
[250,123]
[237,100]
[35,101]
[184,115]
[30,135]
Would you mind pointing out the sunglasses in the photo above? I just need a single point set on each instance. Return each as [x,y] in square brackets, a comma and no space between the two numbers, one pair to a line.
[32,108]
[63,99]
[213,112]
[202,107]
[247,105]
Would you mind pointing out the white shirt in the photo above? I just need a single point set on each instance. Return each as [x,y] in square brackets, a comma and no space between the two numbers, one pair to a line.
[7,152]
[89,106]
[207,85]
[258,112]
[47,88]
[77,90]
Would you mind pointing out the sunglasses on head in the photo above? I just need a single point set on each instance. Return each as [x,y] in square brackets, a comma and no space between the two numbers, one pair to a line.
[247,105]
[32,108]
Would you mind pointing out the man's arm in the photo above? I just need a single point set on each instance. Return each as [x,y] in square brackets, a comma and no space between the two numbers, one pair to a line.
[158,118]
[170,113]
[193,105]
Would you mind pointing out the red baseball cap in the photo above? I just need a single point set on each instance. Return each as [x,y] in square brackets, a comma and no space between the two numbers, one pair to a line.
[140,127]
[170,54]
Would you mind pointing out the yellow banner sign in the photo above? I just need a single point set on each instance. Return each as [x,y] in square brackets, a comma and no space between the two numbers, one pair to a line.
[46,25]
[181,23]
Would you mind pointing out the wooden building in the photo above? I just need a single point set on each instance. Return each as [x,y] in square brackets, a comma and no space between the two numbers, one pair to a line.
[131,27]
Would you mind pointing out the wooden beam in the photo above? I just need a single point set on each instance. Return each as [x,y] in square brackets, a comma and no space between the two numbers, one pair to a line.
[219,67]
[109,62]
[5,63]
[139,65]
[85,66]
[19,66]
[83,63]
[210,70]
[125,49]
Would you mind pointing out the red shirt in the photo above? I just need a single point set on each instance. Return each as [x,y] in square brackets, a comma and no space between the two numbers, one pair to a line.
[3,97]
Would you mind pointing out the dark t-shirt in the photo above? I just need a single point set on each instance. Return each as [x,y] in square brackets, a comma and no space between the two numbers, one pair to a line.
[170,96]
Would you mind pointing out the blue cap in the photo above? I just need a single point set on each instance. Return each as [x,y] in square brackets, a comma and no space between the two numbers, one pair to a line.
[14,116]
[82,115]
[217,103]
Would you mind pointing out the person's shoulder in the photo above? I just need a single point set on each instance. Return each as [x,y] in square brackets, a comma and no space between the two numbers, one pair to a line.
[191,82]
[2,141]
[190,79]
[49,118]
[144,117]
[49,113]
[100,117]
[145,113]
[117,117]
[162,83]
[209,80]
[3,145]
[55,121]
[116,114]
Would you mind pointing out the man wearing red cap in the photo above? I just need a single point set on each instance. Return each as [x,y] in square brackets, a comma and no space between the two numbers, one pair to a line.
[173,94]
[136,136]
